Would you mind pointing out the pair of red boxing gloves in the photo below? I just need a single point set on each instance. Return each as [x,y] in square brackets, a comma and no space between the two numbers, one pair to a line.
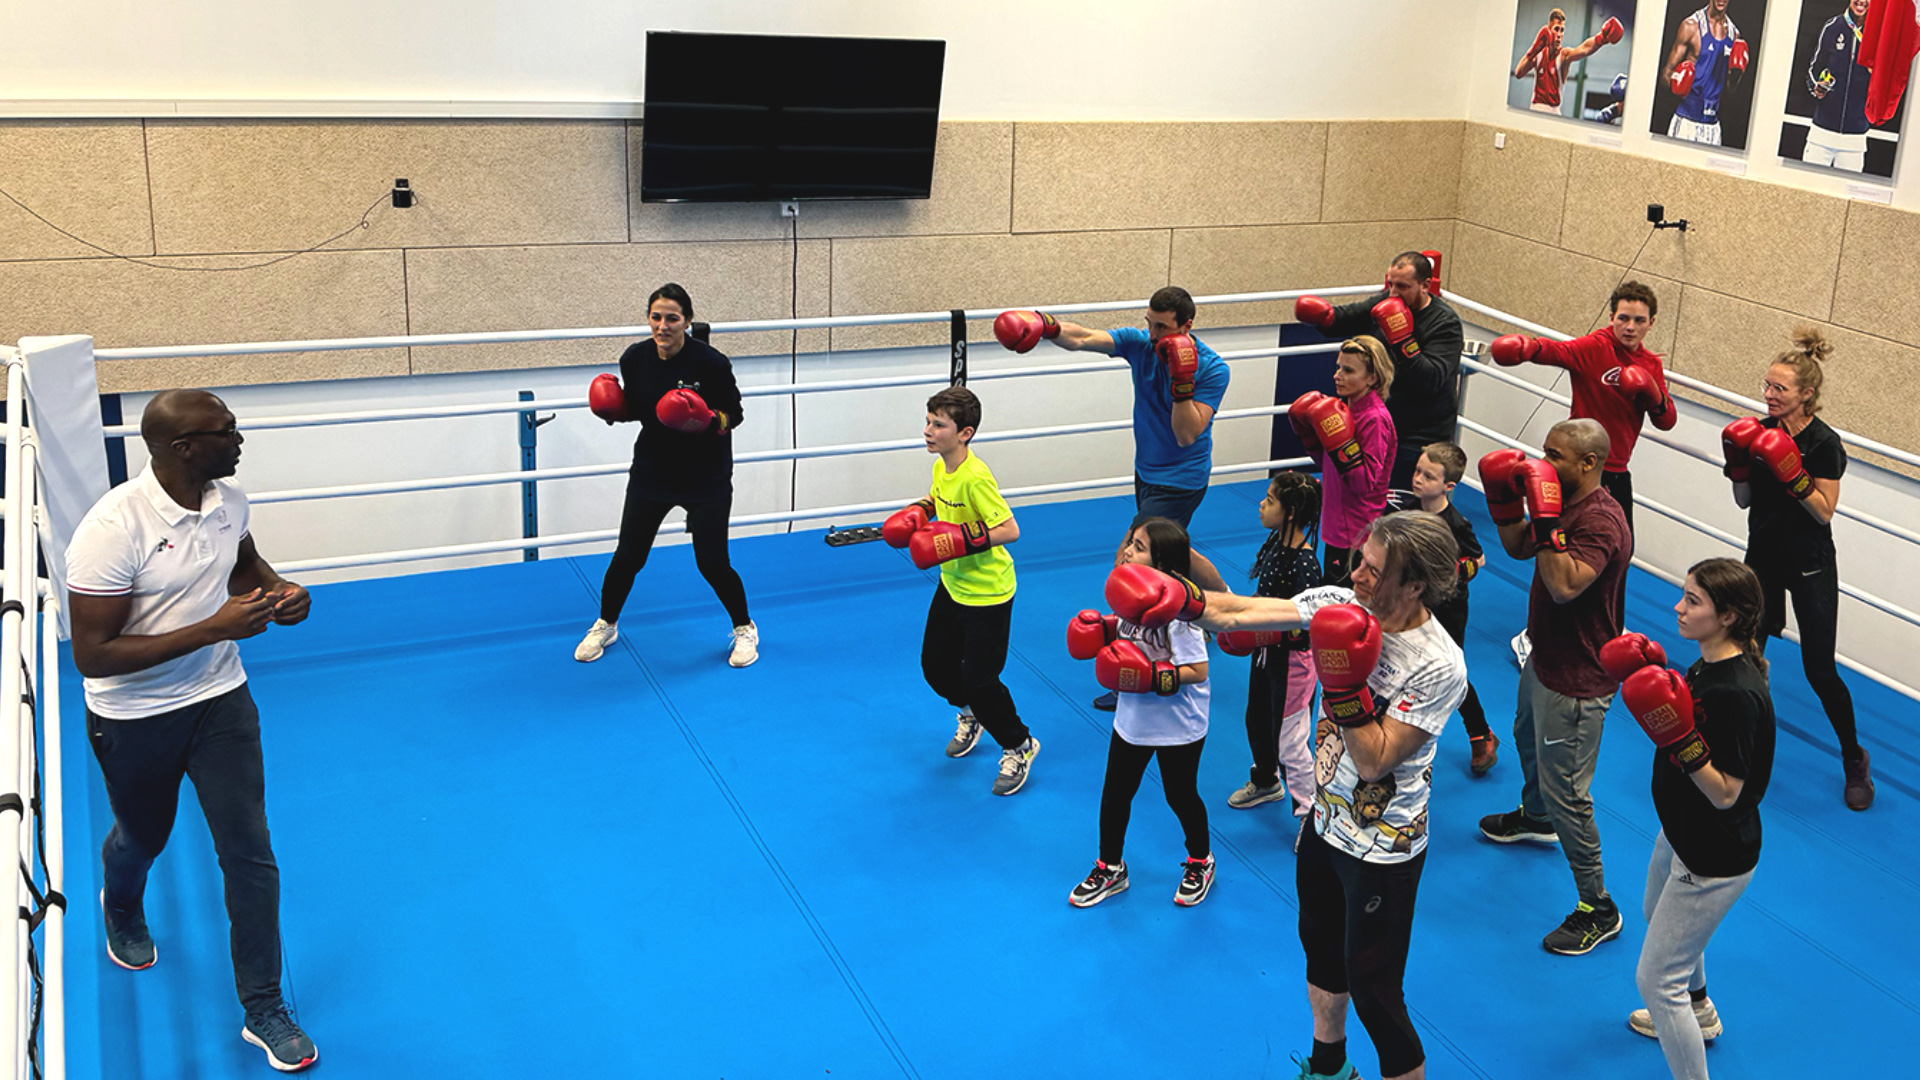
[1746,440]
[1657,696]
[1022,330]
[929,542]
[1636,383]
[1680,80]
[1520,489]
[681,409]
[1325,424]
[1391,315]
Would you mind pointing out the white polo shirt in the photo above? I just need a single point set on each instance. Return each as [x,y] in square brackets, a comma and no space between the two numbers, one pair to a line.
[174,563]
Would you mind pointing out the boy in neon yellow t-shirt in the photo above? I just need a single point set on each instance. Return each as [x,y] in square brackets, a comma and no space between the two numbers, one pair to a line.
[962,527]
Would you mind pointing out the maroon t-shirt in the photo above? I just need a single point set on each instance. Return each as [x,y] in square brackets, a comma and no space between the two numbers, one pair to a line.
[1567,637]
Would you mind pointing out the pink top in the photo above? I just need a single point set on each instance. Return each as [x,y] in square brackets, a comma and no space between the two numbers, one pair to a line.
[1350,501]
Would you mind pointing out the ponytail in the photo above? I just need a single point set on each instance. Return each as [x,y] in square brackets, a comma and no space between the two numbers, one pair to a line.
[1732,588]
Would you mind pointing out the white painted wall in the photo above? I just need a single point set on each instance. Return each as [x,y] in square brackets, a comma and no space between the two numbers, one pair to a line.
[1006,59]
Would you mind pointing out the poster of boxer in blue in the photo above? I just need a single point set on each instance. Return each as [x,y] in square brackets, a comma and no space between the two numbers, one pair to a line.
[1569,58]
[1829,121]
[1704,93]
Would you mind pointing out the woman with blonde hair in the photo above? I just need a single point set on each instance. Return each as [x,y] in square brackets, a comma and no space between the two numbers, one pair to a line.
[1354,433]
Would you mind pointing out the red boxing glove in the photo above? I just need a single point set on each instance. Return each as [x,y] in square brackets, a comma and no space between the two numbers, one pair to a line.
[684,410]
[1244,642]
[944,540]
[1334,423]
[1663,703]
[1177,351]
[1510,350]
[1500,476]
[1123,667]
[1089,632]
[1736,441]
[1776,450]
[606,399]
[1022,330]
[1681,81]
[1303,428]
[1151,598]
[1346,648]
[1433,283]
[1611,31]
[1737,56]
[1542,487]
[899,528]
[1313,311]
[1638,387]
[1396,326]
[1629,653]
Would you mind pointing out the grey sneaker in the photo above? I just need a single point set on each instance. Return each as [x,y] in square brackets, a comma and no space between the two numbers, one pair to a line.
[128,943]
[1103,882]
[965,735]
[1250,795]
[595,643]
[273,1030]
[1014,765]
[1641,1021]
[746,646]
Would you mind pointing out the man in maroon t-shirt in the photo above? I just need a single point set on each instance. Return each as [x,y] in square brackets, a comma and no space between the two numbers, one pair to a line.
[1580,547]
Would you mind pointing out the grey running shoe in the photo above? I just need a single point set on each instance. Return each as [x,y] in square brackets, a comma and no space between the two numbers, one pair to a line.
[602,634]
[1641,1021]
[1014,765]
[273,1030]
[1589,925]
[1103,882]
[1251,794]
[128,943]
[966,735]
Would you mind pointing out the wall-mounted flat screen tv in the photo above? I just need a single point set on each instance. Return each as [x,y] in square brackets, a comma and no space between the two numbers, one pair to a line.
[759,117]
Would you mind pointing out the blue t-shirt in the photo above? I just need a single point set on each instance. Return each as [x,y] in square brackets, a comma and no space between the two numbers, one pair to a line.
[1702,103]
[1158,457]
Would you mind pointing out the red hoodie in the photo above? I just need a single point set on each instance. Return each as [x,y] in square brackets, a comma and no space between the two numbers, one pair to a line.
[1595,361]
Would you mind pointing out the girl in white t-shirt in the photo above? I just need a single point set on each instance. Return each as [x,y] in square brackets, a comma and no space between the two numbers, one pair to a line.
[1162,678]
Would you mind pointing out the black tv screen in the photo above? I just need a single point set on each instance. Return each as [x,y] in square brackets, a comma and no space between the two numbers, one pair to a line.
[758,117]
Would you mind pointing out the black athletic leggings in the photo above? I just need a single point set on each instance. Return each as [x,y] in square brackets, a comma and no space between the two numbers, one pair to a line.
[1179,775]
[1453,619]
[1816,605]
[1356,924]
[706,523]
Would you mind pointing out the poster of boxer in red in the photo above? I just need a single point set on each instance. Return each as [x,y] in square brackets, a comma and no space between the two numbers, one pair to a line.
[1570,57]
[1705,91]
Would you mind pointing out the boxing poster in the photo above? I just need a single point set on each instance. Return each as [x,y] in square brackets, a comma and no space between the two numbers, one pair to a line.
[1703,93]
[1828,121]
[1569,58]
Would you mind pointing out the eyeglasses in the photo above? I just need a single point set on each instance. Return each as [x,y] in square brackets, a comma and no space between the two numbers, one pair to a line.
[1766,385]
[231,431]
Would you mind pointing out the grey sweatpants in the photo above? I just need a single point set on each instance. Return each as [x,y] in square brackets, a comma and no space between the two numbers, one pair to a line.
[1683,910]
[1558,739]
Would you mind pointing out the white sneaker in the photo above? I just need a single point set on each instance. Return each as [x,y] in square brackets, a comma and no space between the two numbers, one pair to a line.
[1522,648]
[746,645]
[1641,1021]
[602,635]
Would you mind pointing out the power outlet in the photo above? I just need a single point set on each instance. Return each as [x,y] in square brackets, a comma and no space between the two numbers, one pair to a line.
[790,209]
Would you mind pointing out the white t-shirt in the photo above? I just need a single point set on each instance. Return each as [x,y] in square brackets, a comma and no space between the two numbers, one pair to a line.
[1421,678]
[174,563]
[1180,717]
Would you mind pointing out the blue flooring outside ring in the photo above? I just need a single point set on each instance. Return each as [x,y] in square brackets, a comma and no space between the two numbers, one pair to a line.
[497,861]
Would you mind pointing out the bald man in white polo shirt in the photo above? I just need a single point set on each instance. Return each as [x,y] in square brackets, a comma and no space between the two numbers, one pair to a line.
[162,580]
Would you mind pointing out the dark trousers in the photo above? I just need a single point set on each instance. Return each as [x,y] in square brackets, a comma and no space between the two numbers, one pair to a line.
[1620,486]
[1405,460]
[1179,775]
[706,523]
[962,654]
[1266,709]
[1816,605]
[216,744]
[1356,923]
[1453,619]
[1158,500]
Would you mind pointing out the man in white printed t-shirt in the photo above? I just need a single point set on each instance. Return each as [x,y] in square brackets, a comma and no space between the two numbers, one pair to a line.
[162,580]
[1390,677]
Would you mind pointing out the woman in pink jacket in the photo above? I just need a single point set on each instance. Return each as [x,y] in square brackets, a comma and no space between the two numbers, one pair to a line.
[1354,434]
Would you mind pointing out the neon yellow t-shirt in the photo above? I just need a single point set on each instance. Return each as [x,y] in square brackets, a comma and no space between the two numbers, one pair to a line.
[968,494]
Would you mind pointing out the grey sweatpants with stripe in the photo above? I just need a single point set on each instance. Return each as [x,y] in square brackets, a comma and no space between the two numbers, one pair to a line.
[1683,910]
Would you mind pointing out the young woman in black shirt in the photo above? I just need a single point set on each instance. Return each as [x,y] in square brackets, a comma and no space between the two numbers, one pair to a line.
[682,392]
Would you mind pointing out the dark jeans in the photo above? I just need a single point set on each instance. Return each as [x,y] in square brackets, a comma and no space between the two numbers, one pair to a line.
[1453,619]
[962,654]
[1816,604]
[1179,776]
[216,744]
[1356,923]
[1155,500]
[706,523]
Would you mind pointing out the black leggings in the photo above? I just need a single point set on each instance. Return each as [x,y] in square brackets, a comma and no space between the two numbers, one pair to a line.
[706,523]
[1816,605]
[1356,924]
[1453,619]
[1620,486]
[1179,775]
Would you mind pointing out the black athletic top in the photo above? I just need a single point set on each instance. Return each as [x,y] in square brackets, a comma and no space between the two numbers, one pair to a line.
[1733,712]
[1469,545]
[1285,572]
[1422,397]
[678,466]
[1778,527]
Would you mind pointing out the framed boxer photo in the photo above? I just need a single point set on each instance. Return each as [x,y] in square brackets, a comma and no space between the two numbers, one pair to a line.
[1569,58]
[1703,92]
[1829,119]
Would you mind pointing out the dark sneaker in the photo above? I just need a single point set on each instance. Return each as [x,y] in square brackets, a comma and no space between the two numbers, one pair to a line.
[273,1030]
[1346,1072]
[966,733]
[1708,1017]
[1250,795]
[1859,791]
[1589,925]
[1103,882]
[128,943]
[1108,701]
[1515,825]
[1196,880]
[1014,766]
[1486,751]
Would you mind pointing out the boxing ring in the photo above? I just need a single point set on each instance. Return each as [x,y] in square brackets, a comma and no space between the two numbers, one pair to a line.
[843,949]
